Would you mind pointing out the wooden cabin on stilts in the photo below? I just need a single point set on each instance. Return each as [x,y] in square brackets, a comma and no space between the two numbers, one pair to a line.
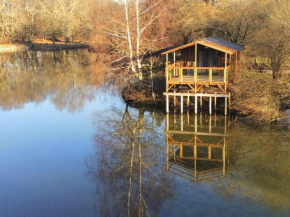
[200,70]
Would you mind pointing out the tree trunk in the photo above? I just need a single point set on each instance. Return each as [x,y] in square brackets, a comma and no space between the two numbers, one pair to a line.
[140,76]
[129,36]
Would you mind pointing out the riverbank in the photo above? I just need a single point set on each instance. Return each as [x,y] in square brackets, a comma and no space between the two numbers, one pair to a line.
[254,95]
[143,94]
[41,46]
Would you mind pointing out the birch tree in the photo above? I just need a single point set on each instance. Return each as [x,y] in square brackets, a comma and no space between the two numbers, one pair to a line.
[127,32]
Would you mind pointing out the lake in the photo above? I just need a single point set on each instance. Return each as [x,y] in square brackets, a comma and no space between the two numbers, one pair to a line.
[70,148]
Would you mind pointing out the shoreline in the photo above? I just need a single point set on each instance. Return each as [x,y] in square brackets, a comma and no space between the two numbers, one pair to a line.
[20,47]
[143,98]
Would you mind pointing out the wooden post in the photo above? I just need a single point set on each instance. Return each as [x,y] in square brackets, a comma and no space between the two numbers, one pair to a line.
[181,76]
[195,147]
[181,104]
[167,103]
[224,157]
[174,64]
[209,129]
[187,103]
[195,123]
[195,156]
[226,105]
[174,116]
[181,122]
[195,105]
[181,150]
[210,76]
[166,75]
[174,153]
[229,100]
[167,150]
[200,99]
[174,100]
[195,59]
[167,121]
[225,71]
[210,107]
[209,152]
[166,72]
[225,125]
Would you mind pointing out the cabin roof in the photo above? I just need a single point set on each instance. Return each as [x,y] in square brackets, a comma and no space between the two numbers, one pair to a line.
[212,42]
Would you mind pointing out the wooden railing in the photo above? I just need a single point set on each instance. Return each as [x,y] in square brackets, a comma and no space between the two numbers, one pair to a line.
[172,70]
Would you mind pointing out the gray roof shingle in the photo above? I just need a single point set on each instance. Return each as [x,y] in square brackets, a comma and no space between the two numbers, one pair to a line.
[224,43]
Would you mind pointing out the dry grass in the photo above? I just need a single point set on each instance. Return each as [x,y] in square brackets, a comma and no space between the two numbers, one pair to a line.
[255,95]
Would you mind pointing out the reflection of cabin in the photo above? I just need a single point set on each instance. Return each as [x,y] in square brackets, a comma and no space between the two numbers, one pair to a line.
[207,62]
[197,148]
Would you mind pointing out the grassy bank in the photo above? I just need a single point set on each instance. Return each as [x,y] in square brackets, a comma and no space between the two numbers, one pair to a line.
[40,46]
[260,97]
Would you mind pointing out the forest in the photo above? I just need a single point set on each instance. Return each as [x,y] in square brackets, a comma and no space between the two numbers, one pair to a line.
[127,36]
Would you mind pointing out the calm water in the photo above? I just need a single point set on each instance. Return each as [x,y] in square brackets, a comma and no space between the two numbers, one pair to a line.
[69,149]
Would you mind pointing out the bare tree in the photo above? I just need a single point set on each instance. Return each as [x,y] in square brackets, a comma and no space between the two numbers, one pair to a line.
[130,181]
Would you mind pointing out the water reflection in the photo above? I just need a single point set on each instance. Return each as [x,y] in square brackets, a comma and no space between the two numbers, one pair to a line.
[261,156]
[197,146]
[136,164]
[62,77]
[128,164]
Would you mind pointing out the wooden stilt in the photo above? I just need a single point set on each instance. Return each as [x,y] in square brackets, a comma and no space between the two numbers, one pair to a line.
[181,104]
[230,99]
[195,105]
[226,106]
[187,103]
[225,125]
[224,157]
[209,152]
[210,96]
[167,103]
[174,153]
[174,63]
[209,130]
[195,156]
[167,159]
[210,106]
[167,121]
[195,123]
[181,122]
[215,101]
[174,116]
[174,100]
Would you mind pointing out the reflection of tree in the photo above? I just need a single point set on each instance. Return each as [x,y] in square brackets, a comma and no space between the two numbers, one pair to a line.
[128,168]
[34,76]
